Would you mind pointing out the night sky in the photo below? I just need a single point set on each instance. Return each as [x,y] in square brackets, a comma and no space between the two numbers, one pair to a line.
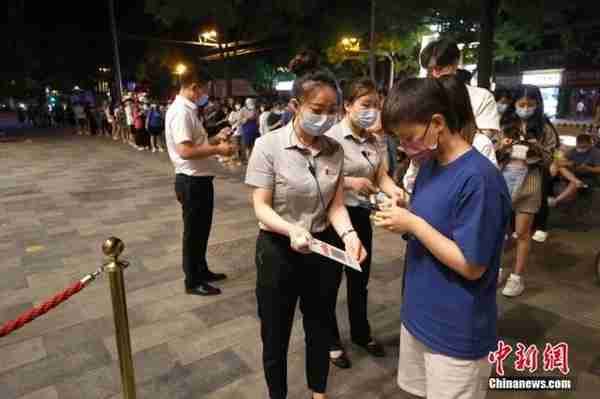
[73,38]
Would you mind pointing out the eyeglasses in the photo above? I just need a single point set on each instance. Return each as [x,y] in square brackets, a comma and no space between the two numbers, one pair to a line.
[404,144]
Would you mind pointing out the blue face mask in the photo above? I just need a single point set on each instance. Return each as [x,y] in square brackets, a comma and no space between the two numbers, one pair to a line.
[316,125]
[366,118]
[202,101]
[502,108]
[525,113]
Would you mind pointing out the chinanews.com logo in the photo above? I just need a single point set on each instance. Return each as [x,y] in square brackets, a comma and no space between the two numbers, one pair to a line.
[555,358]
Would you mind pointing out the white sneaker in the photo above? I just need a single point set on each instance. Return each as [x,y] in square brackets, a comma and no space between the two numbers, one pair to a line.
[153,150]
[160,149]
[540,236]
[514,286]
[140,148]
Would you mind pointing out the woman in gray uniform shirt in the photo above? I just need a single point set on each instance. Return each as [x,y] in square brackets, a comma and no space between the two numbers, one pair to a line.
[365,173]
[296,173]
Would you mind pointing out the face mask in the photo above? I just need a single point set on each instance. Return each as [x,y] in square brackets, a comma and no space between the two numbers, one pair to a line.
[365,119]
[316,125]
[419,151]
[525,113]
[502,108]
[202,101]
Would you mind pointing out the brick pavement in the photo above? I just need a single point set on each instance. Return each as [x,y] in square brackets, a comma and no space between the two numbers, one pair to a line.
[61,195]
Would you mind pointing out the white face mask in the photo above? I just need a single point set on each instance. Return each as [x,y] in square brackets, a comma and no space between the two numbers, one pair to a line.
[316,125]
[366,118]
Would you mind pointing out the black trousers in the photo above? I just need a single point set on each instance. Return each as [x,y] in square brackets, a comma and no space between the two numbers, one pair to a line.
[284,277]
[142,139]
[196,196]
[357,282]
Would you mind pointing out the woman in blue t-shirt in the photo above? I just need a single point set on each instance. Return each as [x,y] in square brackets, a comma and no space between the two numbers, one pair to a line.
[455,227]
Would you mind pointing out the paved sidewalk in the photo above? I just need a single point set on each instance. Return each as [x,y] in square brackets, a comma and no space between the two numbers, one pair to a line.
[62,195]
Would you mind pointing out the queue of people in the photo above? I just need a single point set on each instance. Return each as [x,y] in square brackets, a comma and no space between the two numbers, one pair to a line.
[138,125]
[482,171]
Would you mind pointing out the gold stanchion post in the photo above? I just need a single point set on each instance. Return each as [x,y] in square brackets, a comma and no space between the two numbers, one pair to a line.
[112,248]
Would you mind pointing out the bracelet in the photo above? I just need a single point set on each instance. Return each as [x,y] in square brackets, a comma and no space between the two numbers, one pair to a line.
[345,233]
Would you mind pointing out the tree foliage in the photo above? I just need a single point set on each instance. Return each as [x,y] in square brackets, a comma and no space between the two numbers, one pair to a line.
[321,24]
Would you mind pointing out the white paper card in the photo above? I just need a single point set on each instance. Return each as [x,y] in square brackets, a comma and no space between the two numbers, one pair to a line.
[334,253]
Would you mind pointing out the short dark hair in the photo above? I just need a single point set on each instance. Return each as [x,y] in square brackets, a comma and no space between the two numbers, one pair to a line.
[464,76]
[416,100]
[357,88]
[503,92]
[310,76]
[440,53]
[194,77]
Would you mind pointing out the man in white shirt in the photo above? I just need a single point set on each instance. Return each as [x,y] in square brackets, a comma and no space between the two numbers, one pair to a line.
[129,119]
[190,149]
[441,57]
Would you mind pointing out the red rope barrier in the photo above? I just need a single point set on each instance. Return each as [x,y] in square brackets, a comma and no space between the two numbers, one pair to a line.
[41,309]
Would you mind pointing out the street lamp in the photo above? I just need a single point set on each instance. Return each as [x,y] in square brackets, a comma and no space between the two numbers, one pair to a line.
[180,69]
[351,44]
[209,36]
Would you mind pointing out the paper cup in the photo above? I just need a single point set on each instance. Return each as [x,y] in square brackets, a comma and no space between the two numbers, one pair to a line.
[519,152]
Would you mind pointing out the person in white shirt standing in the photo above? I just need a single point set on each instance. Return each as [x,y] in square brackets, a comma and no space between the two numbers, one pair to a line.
[129,117]
[441,57]
[190,149]
[263,124]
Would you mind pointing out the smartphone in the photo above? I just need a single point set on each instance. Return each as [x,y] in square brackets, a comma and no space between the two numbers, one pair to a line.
[369,205]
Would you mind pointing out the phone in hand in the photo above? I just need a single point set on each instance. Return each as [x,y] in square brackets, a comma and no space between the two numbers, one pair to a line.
[369,205]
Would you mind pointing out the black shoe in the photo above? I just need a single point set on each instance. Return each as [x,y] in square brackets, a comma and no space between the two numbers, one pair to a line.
[341,362]
[374,348]
[203,289]
[212,277]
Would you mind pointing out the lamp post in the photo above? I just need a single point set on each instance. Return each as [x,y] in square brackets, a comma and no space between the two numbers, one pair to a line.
[117,61]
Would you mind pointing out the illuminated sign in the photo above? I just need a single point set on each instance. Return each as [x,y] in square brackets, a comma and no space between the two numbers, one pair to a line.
[284,86]
[549,78]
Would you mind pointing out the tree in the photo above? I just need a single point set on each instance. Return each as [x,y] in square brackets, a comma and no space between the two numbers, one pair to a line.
[403,46]
[489,9]
[156,70]
[265,76]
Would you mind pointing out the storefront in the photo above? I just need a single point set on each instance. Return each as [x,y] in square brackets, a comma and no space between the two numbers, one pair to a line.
[581,93]
[549,81]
